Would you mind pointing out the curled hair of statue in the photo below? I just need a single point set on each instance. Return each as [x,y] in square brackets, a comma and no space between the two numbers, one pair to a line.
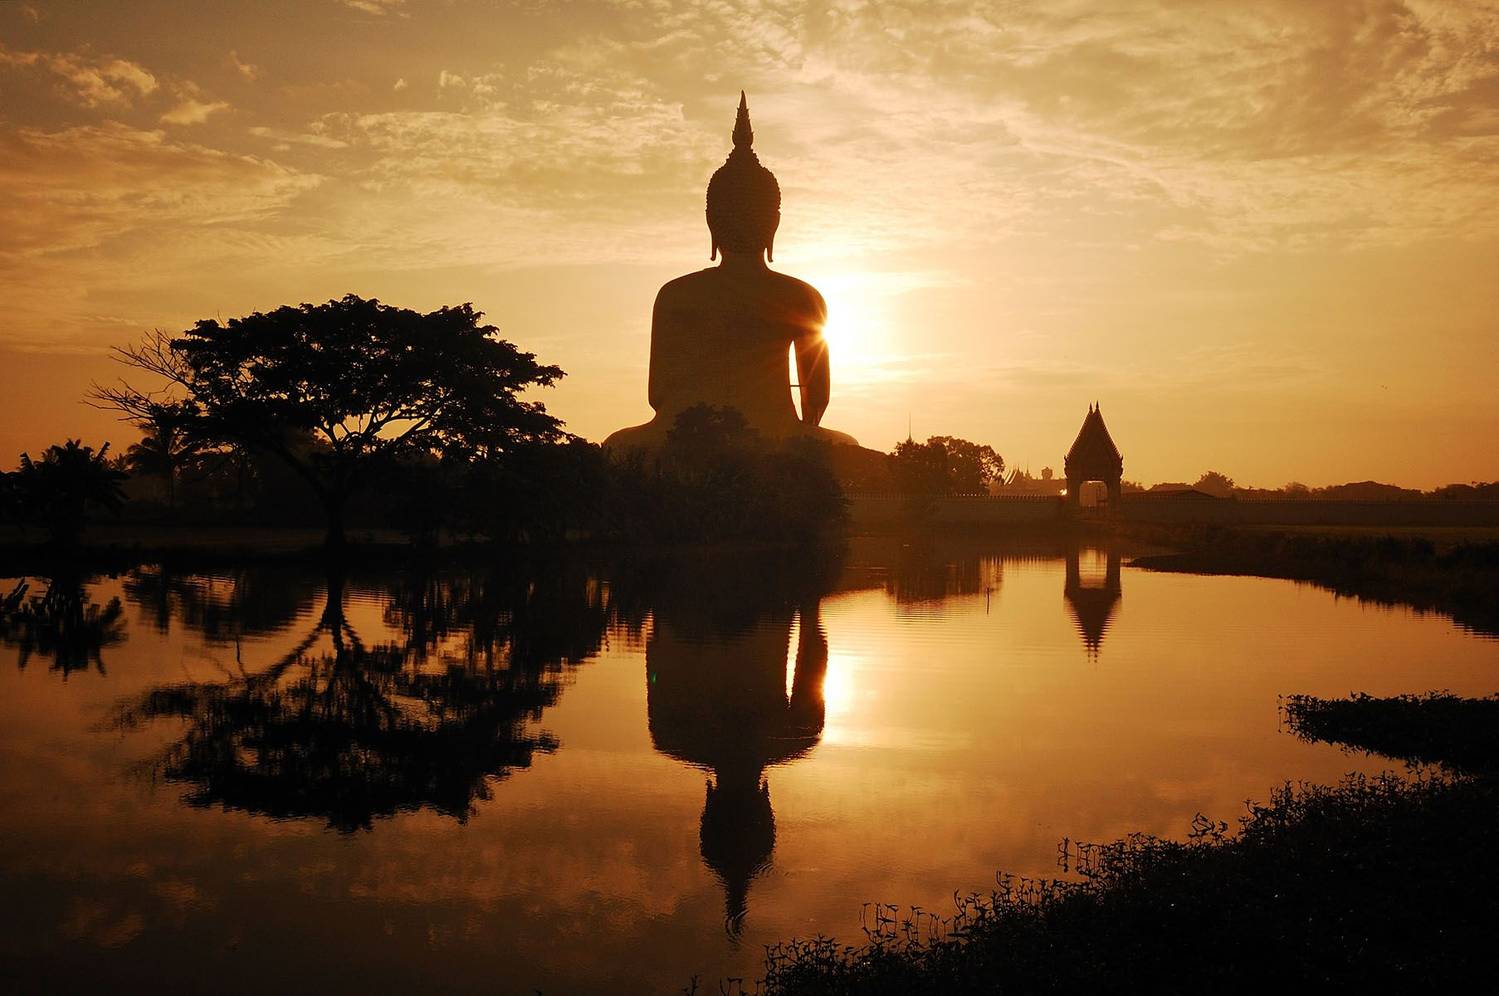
[744,199]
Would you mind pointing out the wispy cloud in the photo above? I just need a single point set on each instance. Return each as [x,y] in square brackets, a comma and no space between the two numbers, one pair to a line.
[193,111]
[245,69]
[379,8]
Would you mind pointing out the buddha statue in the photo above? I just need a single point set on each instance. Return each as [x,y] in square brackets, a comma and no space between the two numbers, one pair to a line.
[720,336]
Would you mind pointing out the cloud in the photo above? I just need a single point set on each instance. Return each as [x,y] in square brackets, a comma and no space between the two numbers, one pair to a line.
[90,216]
[192,111]
[91,81]
[377,7]
[283,137]
[245,69]
[79,187]
[401,84]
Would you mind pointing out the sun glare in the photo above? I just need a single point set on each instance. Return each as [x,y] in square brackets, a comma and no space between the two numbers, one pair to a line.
[857,329]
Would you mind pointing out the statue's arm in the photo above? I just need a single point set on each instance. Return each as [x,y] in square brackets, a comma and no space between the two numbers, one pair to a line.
[812,363]
[653,381]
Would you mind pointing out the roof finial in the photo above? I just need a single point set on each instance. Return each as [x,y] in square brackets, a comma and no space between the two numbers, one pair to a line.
[744,135]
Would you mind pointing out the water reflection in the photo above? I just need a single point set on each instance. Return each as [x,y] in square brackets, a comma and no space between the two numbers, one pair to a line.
[62,623]
[344,731]
[223,607]
[801,749]
[928,571]
[717,665]
[1093,595]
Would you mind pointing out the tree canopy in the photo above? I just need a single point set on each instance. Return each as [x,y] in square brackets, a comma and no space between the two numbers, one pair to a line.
[364,382]
[946,465]
[62,487]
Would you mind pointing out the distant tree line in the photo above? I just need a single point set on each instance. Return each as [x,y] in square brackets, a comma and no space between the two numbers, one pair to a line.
[1220,485]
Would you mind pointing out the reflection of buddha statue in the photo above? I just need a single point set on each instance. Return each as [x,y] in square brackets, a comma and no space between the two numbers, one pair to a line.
[1092,602]
[720,336]
[718,700]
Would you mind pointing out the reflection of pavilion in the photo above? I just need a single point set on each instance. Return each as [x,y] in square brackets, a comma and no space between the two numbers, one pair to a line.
[719,700]
[1093,600]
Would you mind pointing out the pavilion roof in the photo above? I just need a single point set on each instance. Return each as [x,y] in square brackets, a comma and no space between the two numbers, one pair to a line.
[1093,450]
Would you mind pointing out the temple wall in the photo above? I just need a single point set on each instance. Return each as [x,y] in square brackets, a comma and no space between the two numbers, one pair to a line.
[876,510]
[873,511]
[1312,513]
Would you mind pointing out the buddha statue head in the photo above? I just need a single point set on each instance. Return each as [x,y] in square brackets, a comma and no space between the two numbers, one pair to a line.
[744,200]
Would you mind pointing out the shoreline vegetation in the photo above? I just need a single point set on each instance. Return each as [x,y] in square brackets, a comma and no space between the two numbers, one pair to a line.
[1385,881]
[1454,575]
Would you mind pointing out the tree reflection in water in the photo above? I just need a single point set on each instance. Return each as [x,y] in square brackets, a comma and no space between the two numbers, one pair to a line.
[354,732]
[63,623]
[221,607]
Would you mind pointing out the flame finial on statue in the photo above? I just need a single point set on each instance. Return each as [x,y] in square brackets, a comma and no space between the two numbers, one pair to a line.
[744,135]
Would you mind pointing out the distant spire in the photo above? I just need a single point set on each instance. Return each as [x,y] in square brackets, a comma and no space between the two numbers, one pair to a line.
[744,135]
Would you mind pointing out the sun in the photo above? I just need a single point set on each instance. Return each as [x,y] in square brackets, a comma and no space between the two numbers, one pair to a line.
[857,330]
[851,320]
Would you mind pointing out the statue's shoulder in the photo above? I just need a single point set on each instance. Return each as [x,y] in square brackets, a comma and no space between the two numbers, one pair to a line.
[686,286]
[801,292]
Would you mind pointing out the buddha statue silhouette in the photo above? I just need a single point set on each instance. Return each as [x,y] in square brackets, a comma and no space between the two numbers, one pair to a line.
[720,336]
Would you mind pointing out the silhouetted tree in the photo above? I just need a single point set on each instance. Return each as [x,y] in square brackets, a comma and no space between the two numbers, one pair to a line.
[165,448]
[971,467]
[1476,491]
[921,468]
[945,465]
[368,382]
[1214,483]
[535,492]
[59,490]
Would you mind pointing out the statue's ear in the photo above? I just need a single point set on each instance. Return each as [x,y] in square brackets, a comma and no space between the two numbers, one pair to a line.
[770,248]
[713,253]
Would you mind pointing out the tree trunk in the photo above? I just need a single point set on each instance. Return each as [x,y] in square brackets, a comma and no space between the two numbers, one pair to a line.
[335,542]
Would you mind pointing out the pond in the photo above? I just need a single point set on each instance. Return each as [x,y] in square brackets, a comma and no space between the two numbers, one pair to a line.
[575,777]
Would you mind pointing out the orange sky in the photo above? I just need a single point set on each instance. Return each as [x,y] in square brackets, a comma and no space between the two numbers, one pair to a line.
[1263,235]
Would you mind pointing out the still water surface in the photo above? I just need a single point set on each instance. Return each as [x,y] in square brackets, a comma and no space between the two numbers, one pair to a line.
[613,778]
